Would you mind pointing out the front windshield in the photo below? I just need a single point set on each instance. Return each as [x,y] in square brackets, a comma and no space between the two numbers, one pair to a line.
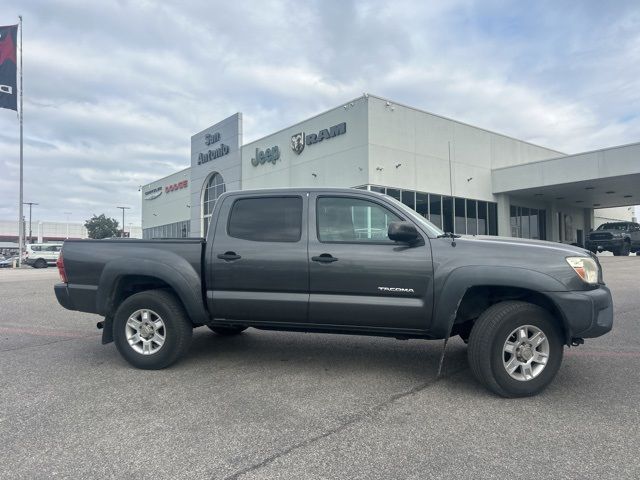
[431,229]
[613,226]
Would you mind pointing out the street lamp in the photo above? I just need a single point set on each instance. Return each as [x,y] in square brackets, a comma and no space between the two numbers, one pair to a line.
[123,209]
[30,205]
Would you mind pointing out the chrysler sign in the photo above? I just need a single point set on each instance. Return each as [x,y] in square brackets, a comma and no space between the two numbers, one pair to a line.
[153,193]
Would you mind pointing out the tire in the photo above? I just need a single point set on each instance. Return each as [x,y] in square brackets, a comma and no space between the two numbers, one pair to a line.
[40,263]
[173,332]
[624,250]
[227,331]
[489,359]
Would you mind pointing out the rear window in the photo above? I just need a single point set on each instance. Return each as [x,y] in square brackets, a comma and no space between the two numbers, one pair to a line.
[266,219]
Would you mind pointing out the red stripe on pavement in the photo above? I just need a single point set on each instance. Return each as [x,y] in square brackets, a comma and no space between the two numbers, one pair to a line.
[43,333]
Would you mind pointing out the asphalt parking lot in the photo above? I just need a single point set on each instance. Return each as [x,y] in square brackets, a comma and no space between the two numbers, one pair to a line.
[292,405]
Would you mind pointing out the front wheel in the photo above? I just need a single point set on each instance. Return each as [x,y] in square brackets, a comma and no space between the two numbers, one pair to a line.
[151,329]
[625,249]
[515,349]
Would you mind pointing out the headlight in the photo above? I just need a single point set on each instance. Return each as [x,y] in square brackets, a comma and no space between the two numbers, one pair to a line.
[585,267]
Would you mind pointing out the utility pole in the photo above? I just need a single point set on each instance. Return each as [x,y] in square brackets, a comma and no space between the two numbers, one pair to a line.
[67,214]
[123,209]
[30,205]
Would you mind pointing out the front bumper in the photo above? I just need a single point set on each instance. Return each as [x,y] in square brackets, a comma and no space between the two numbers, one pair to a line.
[586,314]
[604,244]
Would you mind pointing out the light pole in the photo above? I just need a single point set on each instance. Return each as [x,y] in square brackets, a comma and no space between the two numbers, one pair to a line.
[123,209]
[67,214]
[30,205]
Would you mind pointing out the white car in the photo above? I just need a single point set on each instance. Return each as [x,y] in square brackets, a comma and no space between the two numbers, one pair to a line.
[40,255]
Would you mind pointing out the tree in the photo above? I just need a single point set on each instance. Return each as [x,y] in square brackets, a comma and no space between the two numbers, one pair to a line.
[101,227]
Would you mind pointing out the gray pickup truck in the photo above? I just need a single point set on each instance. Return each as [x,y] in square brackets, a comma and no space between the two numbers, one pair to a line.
[342,261]
[620,238]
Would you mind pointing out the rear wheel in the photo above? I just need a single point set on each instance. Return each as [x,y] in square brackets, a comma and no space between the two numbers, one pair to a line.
[151,329]
[227,330]
[515,349]
[40,263]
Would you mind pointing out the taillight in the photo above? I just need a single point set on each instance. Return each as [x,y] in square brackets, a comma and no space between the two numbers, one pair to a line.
[60,265]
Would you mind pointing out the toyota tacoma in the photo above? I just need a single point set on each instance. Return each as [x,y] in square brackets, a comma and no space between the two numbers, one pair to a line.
[342,261]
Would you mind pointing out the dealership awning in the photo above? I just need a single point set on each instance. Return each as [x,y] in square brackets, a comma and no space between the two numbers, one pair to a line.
[599,179]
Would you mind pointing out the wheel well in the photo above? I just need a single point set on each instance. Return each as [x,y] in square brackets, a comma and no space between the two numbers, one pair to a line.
[478,298]
[131,284]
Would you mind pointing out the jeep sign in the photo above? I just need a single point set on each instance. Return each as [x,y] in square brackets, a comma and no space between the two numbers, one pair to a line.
[270,155]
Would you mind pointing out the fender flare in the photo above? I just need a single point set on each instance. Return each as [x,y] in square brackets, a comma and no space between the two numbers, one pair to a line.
[458,281]
[174,270]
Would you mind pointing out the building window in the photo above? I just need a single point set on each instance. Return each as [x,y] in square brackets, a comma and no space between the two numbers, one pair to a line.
[409,198]
[422,204]
[528,223]
[212,190]
[460,224]
[447,214]
[435,210]
[170,230]
[483,225]
[473,217]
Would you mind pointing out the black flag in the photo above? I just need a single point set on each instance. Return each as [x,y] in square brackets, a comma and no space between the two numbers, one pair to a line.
[8,67]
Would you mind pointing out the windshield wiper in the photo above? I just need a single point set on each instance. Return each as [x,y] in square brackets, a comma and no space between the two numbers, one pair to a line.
[448,235]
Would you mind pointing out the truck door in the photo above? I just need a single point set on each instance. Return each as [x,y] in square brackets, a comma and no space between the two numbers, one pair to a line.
[258,267]
[358,276]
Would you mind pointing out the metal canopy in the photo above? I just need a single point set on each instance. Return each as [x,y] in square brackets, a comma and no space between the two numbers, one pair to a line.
[600,179]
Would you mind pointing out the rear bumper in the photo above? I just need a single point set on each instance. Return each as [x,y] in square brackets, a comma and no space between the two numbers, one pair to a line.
[62,295]
[587,314]
[76,297]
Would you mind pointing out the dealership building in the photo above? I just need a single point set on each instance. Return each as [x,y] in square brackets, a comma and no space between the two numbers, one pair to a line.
[462,178]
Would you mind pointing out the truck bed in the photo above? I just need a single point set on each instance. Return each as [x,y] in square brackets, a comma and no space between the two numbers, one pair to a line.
[90,263]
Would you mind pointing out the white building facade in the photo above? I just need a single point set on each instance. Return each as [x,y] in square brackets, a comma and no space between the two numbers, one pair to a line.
[464,179]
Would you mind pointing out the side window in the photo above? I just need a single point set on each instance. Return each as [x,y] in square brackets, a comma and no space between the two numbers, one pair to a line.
[36,248]
[266,219]
[353,220]
[52,248]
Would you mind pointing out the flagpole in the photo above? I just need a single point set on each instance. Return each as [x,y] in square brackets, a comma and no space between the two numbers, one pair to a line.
[20,214]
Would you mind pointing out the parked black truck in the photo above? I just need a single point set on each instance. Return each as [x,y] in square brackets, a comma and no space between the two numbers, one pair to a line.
[620,238]
[342,261]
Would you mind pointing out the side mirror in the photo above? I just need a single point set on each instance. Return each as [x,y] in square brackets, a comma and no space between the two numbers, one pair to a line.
[404,232]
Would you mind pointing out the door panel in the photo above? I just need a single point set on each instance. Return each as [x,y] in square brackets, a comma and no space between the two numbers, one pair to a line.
[372,281]
[260,260]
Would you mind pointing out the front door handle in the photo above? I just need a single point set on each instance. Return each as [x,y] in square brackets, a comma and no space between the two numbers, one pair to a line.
[324,258]
[229,256]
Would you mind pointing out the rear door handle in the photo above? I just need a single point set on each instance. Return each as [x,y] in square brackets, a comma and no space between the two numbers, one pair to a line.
[229,256]
[324,258]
